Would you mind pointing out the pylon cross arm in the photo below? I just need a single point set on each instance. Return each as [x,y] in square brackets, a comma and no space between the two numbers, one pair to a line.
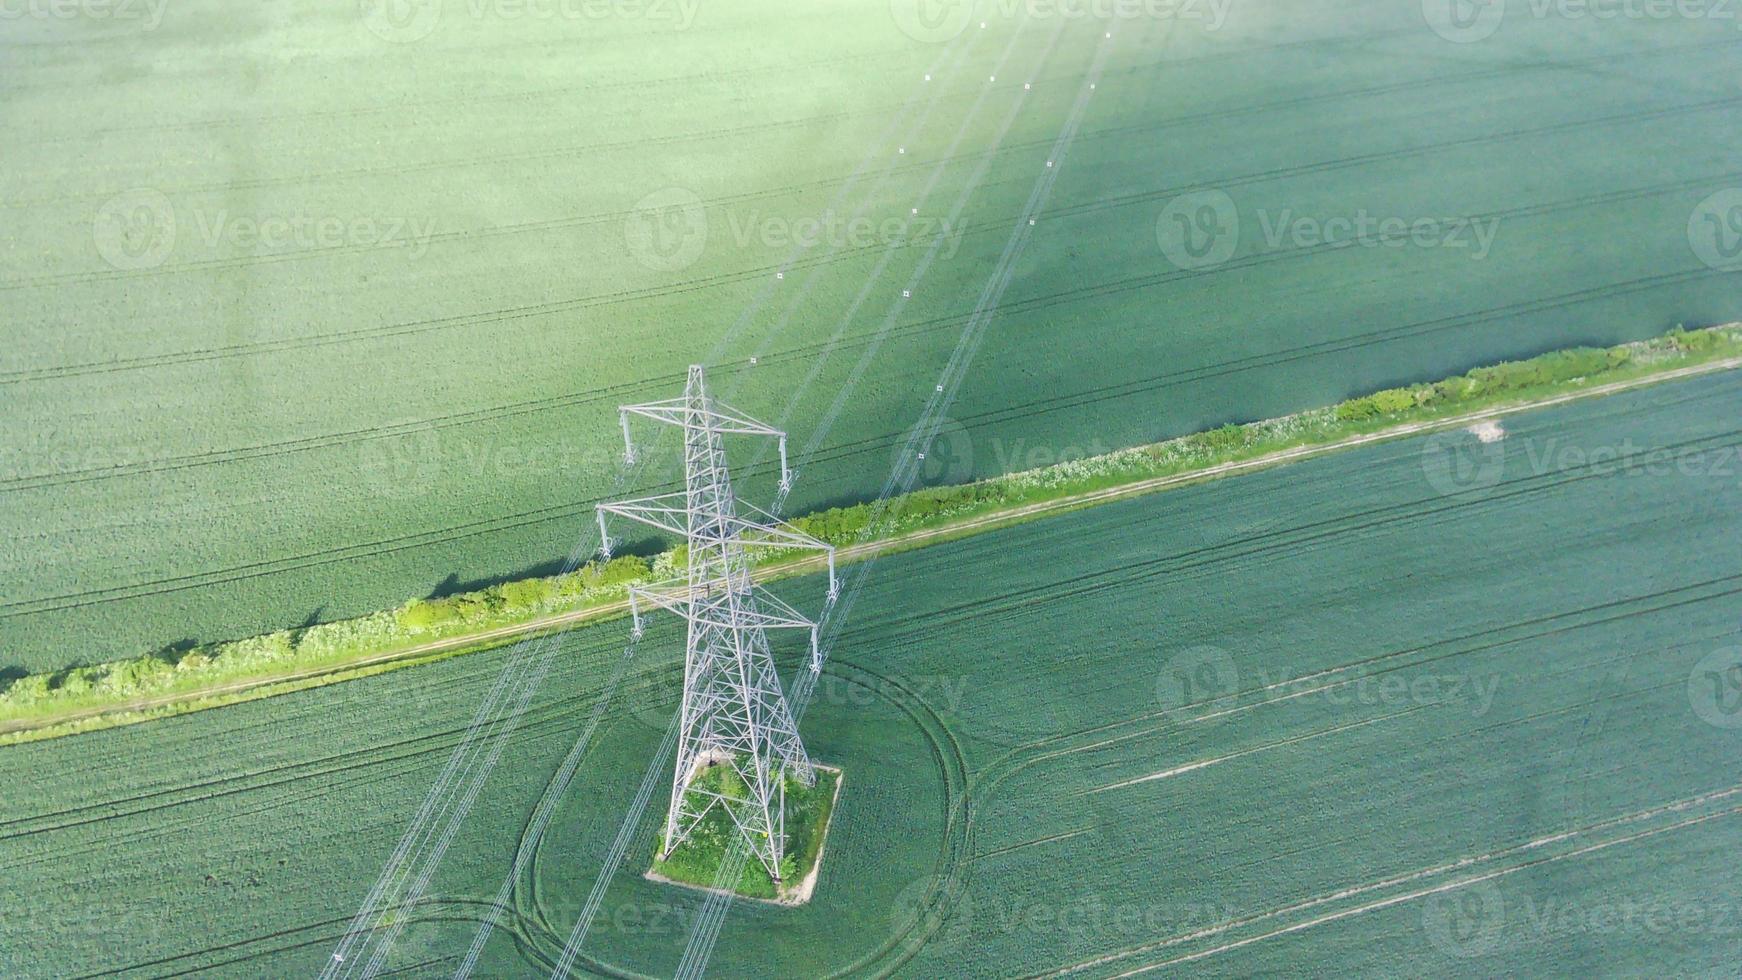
[665,512]
[670,512]
[714,416]
[697,606]
[774,532]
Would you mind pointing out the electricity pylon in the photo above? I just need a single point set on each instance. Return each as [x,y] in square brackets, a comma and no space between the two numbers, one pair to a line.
[733,711]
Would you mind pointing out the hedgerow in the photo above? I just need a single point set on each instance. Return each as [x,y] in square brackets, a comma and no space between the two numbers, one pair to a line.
[600,582]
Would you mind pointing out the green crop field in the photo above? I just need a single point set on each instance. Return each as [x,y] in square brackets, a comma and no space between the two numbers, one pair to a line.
[1368,714]
[311,309]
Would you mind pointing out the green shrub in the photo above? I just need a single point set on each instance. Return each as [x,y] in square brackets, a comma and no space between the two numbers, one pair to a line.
[622,569]
[1694,341]
[1224,438]
[1393,400]
[1453,390]
[528,593]
[25,690]
[426,614]
[1357,409]
[129,676]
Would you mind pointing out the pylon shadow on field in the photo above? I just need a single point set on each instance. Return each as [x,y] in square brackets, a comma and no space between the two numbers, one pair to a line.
[171,653]
[309,622]
[642,546]
[453,585]
[59,678]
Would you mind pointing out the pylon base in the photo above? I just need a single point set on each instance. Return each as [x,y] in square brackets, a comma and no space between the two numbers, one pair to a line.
[695,863]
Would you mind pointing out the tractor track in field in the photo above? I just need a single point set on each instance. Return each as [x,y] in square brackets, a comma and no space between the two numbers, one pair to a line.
[1480,641]
[1139,727]
[406,112]
[1408,879]
[611,217]
[981,787]
[198,961]
[407,109]
[850,448]
[546,719]
[569,152]
[1678,590]
[751,274]
[1009,764]
[569,510]
[1012,762]
[1273,543]
[1165,564]
[544,940]
[955,848]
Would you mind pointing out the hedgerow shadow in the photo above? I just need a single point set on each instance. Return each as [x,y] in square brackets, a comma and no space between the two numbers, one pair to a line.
[452,585]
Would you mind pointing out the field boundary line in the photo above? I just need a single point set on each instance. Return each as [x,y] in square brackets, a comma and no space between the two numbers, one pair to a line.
[237,691]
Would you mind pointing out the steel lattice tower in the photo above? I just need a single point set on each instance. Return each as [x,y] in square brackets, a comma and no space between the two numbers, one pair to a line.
[733,711]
